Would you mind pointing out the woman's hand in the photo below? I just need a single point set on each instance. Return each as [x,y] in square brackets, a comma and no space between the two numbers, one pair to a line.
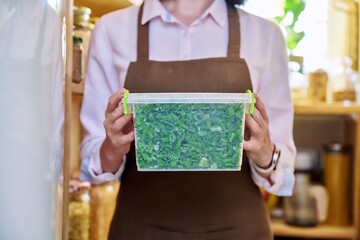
[119,134]
[258,146]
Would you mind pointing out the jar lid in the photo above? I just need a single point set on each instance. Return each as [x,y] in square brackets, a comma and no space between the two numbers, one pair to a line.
[81,10]
[336,147]
[81,14]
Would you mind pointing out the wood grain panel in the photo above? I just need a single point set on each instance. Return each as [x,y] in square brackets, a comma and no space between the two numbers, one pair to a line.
[101,7]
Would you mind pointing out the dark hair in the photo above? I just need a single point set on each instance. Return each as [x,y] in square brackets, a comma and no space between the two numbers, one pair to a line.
[235,2]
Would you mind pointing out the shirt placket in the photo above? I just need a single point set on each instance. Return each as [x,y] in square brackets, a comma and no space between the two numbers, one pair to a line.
[185,44]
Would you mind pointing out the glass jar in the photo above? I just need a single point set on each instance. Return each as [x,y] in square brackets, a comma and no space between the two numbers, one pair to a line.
[298,82]
[79,211]
[300,208]
[78,60]
[103,202]
[82,27]
[342,84]
[337,161]
[83,31]
[317,85]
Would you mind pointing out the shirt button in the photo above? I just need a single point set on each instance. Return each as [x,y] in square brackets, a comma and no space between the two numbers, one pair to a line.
[185,33]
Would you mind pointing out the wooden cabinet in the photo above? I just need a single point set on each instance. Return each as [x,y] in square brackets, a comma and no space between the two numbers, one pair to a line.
[351,115]
[321,232]
[101,7]
[73,98]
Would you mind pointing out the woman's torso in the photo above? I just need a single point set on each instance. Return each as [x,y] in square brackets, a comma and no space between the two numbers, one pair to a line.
[189,205]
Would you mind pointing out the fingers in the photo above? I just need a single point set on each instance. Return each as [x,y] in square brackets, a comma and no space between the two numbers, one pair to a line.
[115,121]
[247,145]
[255,123]
[121,122]
[116,126]
[251,124]
[128,138]
[259,146]
[258,121]
[259,104]
[114,101]
[251,146]
[123,139]
[115,115]
[120,132]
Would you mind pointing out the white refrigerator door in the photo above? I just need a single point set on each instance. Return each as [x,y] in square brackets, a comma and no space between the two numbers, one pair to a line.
[31,117]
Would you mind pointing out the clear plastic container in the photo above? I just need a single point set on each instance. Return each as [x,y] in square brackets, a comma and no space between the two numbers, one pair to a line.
[189,131]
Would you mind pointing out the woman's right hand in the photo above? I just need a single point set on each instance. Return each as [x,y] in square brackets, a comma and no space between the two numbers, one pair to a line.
[119,134]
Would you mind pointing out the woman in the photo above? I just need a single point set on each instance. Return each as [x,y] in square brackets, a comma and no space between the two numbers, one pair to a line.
[150,49]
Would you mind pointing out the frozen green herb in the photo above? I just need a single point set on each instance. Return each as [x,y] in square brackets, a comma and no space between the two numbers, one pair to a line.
[190,136]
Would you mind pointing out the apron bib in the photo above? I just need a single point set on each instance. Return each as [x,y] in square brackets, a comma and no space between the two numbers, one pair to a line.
[189,205]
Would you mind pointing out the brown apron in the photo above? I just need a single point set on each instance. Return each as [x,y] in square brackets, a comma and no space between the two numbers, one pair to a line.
[189,205]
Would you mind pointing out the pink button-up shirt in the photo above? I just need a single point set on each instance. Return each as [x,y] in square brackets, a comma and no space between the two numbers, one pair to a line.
[114,45]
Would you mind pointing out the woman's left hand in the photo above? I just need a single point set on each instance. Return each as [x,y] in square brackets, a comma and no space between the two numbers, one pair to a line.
[259,147]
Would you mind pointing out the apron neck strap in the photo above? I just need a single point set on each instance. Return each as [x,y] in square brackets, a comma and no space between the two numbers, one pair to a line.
[143,37]
[233,51]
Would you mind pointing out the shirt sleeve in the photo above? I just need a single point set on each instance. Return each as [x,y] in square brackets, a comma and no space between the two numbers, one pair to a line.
[100,84]
[274,90]
[91,166]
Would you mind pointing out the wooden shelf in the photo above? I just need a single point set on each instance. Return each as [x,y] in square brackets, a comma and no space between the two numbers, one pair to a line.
[322,108]
[327,231]
[77,88]
[99,8]
[321,232]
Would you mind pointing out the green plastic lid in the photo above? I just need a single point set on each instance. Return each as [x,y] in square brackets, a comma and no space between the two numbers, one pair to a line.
[125,106]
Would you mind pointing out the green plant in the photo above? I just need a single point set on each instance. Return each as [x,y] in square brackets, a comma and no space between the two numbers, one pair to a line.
[292,10]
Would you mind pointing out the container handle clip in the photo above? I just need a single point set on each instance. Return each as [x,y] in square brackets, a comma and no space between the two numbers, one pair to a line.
[251,108]
[124,102]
